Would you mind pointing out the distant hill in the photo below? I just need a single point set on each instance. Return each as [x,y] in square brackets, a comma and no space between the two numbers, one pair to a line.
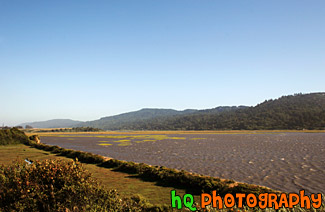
[140,120]
[299,111]
[54,123]
[119,121]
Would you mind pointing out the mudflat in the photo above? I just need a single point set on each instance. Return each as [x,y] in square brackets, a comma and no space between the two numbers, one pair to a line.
[285,161]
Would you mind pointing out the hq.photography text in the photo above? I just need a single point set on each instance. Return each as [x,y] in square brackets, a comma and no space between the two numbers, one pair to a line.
[264,200]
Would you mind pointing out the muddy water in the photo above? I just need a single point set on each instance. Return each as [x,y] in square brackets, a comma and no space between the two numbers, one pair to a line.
[284,161]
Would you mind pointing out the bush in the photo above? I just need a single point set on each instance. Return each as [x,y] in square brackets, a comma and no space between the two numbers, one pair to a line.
[12,136]
[55,185]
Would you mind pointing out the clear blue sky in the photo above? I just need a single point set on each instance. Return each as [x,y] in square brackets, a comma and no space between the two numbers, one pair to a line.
[88,59]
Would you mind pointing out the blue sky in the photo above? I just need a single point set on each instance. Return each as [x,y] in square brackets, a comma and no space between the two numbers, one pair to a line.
[88,59]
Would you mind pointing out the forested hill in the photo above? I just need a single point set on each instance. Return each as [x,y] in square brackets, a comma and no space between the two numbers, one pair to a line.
[119,121]
[299,111]
[140,120]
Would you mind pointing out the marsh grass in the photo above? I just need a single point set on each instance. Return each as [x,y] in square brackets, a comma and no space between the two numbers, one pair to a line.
[124,144]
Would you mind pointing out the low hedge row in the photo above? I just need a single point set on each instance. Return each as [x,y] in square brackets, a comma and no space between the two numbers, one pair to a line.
[84,157]
[193,183]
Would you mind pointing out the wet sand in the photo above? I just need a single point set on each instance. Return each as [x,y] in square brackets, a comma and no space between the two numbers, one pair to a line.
[282,161]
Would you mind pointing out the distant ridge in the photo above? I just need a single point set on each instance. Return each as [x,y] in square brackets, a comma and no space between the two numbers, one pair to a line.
[141,119]
[54,123]
[298,111]
[118,121]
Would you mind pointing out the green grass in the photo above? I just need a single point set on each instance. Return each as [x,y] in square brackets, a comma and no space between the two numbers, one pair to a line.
[126,184]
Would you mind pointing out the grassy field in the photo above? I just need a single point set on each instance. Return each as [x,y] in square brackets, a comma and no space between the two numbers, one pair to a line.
[126,184]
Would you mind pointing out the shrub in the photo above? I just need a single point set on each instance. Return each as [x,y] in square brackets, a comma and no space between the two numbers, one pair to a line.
[12,136]
[55,185]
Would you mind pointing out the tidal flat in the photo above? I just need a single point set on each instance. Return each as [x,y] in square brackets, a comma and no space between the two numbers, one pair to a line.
[285,161]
